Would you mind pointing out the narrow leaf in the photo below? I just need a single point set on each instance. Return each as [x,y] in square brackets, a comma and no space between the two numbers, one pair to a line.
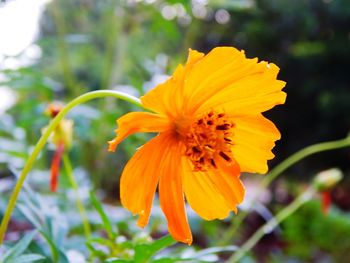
[118,261]
[143,252]
[105,221]
[28,258]
[19,248]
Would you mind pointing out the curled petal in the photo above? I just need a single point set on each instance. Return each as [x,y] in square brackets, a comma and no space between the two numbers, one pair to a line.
[171,195]
[140,177]
[137,122]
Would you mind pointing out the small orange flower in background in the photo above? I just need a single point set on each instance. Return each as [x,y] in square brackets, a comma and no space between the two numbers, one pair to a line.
[210,129]
[61,138]
[324,183]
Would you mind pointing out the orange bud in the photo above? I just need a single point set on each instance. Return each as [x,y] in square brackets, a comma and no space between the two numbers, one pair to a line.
[326,201]
[55,167]
[53,109]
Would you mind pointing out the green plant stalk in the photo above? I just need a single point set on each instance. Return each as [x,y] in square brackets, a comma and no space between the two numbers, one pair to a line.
[271,224]
[79,203]
[45,136]
[113,23]
[62,48]
[116,45]
[310,150]
[275,172]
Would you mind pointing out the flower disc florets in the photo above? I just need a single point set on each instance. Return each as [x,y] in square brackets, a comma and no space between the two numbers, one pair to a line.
[209,138]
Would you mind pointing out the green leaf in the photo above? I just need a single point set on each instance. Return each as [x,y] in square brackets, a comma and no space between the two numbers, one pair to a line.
[101,241]
[34,208]
[12,254]
[215,250]
[15,153]
[96,251]
[171,260]
[30,215]
[143,252]
[105,221]
[28,258]
[111,260]
[199,256]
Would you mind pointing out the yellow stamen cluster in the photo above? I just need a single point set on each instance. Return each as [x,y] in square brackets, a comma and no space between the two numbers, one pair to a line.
[207,139]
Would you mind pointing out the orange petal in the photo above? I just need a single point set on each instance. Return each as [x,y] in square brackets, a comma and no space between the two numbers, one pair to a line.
[213,194]
[140,177]
[167,98]
[253,138]
[55,166]
[137,122]
[171,195]
[227,180]
[257,90]
[206,77]
[326,202]
[225,78]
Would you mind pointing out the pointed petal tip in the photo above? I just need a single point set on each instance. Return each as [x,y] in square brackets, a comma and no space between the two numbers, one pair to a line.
[112,145]
[235,210]
[194,56]
[141,222]
[284,94]
[186,240]
[264,170]
[189,241]
[143,219]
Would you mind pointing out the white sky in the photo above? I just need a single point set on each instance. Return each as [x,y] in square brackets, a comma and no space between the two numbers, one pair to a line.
[19,25]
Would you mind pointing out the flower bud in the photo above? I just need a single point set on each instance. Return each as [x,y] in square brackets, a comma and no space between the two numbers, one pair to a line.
[53,109]
[63,133]
[326,180]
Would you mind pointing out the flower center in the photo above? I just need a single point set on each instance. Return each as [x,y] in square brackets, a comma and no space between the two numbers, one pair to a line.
[207,139]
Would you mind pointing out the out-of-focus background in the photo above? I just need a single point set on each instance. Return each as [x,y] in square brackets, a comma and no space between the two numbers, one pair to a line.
[57,50]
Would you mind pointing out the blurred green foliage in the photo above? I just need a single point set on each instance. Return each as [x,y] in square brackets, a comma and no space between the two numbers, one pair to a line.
[310,240]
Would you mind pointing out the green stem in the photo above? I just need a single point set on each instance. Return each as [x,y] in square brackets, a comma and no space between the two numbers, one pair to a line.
[310,150]
[43,139]
[271,224]
[293,159]
[79,203]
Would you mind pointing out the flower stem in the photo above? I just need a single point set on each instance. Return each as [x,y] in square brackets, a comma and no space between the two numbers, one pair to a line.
[310,150]
[291,160]
[43,139]
[79,203]
[271,224]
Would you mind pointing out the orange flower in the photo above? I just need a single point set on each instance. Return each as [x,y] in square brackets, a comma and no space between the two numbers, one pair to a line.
[61,138]
[210,129]
[55,167]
